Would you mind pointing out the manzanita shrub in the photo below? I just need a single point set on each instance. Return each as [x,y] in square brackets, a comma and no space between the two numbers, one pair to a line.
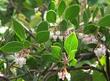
[54,40]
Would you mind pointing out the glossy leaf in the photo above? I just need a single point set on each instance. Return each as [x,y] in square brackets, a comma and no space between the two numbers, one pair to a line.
[56,52]
[73,62]
[63,25]
[103,60]
[13,46]
[71,43]
[61,7]
[95,12]
[19,29]
[26,44]
[98,76]
[48,58]
[36,19]
[75,22]
[42,26]
[51,16]
[52,5]
[91,28]
[39,2]
[72,12]
[105,21]
[71,57]
[42,36]
[86,15]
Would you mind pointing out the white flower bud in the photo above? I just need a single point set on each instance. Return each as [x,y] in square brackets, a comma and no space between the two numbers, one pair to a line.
[57,33]
[100,51]
[1,74]
[89,39]
[64,74]
[80,35]
[51,34]
[61,38]
[36,9]
[68,76]
[20,60]
[61,75]
[55,37]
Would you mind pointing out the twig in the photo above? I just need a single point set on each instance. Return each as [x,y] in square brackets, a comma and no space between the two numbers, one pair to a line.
[107,65]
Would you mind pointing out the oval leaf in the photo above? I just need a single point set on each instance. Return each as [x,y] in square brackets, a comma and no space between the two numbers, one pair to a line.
[71,43]
[91,28]
[72,12]
[19,29]
[51,16]
[61,7]
[13,46]
[42,26]
[56,50]
[42,36]
[105,21]
[63,25]
[52,5]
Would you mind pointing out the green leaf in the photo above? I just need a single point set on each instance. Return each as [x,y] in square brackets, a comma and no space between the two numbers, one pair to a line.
[86,15]
[72,12]
[61,7]
[39,2]
[36,19]
[75,22]
[97,76]
[95,12]
[20,79]
[71,57]
[52,5]
[92,2]
[63,25]
[42,36]
[13,46]
[105,21]
[78,75]
[31,62]
[73,62]
[19,29]
[48,58]
[91,28]
[26,44]
[71,43]
[51,16]
[42,26]
[56,50]
[103,60]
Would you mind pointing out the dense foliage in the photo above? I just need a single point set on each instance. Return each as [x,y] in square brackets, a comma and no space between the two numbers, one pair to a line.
[54,40]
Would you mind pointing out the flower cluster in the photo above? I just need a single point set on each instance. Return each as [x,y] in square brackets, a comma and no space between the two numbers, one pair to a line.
[20,57]
[56,35]
[64,74]
[67,32]
[87,39]
[1,74]
[101,50]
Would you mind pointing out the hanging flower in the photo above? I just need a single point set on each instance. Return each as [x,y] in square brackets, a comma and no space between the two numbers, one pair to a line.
[20,60]
[87,39]
[20,57]
[101,50]
[57,33]
[64,74]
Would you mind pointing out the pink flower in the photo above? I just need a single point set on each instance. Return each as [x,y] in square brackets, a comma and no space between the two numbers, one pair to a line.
[64,74]
[20,60]
[101,50]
